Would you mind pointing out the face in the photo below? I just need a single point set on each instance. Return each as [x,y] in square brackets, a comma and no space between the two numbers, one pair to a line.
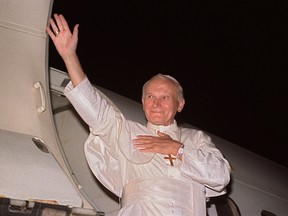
[161,101]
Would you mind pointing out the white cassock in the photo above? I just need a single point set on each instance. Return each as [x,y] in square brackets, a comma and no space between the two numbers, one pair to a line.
[146,182]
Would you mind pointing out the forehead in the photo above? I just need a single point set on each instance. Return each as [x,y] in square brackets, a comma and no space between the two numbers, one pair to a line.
[159,84]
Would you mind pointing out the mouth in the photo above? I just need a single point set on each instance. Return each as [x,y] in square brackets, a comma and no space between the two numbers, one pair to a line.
[156,111]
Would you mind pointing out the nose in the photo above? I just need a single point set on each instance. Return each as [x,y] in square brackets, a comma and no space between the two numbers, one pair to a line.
[156,102]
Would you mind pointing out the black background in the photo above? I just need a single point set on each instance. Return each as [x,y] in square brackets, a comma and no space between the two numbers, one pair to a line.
[230,57]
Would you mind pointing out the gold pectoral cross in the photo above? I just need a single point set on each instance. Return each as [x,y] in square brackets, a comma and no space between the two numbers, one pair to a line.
[170,158]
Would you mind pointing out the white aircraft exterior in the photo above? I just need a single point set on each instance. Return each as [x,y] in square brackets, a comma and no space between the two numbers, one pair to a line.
[43,170]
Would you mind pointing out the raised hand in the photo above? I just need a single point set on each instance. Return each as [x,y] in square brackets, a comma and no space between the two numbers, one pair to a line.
[66,45]
[64,41]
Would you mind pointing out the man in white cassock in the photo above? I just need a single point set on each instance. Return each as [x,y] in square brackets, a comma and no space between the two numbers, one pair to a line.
[158,168]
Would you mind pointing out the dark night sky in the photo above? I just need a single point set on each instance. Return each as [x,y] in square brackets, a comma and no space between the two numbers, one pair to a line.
[231,59]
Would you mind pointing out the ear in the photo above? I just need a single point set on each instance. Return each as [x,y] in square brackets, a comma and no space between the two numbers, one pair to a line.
[181,105]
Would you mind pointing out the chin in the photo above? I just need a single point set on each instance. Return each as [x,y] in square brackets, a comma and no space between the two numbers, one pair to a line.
[157,120]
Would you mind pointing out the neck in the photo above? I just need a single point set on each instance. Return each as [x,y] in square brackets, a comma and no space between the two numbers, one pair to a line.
[170,127]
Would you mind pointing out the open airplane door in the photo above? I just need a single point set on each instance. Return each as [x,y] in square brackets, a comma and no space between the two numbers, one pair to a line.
[43,170]
[35,178]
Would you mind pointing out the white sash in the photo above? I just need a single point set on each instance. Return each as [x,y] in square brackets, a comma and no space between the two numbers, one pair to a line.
[168,191]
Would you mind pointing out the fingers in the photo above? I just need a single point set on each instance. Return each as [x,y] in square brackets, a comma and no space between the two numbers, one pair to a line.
[50,33]
[161,134]
[54,27]
[62,23]
[58,19]
[59,25]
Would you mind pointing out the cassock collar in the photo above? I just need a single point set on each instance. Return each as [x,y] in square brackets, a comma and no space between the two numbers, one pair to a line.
[162,128]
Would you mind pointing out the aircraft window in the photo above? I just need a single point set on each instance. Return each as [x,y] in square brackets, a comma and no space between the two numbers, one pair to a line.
[225,206]
[65,82]
[267,213]
[40,144]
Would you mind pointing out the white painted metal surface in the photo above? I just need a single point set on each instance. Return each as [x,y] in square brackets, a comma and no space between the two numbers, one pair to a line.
[29,173]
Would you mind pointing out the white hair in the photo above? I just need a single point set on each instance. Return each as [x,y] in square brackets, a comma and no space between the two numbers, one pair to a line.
[166,77]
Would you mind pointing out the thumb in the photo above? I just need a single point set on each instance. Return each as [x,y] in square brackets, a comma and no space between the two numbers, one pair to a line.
[75,31]
[161,134]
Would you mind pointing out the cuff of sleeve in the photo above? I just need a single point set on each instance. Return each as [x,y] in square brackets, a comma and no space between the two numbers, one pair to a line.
[180,151]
